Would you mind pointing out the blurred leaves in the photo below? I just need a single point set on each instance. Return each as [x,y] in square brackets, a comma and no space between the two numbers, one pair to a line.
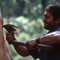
[27,16]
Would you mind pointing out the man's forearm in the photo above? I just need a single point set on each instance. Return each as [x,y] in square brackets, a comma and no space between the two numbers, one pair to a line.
[20,47]
[50,38]
[22,50]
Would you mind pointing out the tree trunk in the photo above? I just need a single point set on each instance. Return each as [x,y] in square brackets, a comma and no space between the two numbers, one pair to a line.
[4,48]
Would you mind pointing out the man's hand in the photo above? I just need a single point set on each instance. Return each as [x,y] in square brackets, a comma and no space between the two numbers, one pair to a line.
[9,36]
[31,43]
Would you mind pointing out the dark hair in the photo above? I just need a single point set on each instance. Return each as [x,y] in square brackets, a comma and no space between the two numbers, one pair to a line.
[55,10]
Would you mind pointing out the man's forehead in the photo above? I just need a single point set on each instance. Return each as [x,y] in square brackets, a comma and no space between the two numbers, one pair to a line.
[47,13]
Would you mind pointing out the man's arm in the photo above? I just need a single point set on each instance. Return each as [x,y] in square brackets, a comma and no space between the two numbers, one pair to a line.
[50,38]
[22,50]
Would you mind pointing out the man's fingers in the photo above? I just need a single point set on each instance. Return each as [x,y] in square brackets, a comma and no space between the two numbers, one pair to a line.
[29,45]
[8,33]
[12,32]
[9,37]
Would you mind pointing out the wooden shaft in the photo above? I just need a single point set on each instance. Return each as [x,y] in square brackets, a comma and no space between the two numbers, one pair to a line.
[45,47]
[18,43]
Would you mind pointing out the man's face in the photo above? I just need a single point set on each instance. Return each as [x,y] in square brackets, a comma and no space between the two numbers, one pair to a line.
[49,23]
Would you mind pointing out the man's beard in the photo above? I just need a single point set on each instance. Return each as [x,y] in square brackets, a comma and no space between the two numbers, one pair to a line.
[47,28]
[50,27]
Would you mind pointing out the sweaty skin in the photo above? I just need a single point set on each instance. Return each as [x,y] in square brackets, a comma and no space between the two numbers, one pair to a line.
[50,38]
[50,25]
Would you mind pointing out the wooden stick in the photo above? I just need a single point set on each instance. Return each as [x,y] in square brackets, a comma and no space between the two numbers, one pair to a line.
[38,46]
[45,47]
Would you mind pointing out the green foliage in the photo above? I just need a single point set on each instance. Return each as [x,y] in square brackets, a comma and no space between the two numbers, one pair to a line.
[27,30]
[35,28]
[27,16]
[6,7]
[23,58]
[23,37]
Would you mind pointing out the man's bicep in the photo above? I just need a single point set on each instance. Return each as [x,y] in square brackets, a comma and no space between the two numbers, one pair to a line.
[50,38]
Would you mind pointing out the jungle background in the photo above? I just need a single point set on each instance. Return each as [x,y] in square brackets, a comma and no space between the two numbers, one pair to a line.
[27,15]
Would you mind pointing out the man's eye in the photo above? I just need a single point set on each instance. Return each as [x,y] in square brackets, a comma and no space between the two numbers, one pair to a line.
[47,17]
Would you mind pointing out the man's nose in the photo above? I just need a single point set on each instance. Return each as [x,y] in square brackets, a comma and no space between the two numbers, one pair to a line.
[44,19]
